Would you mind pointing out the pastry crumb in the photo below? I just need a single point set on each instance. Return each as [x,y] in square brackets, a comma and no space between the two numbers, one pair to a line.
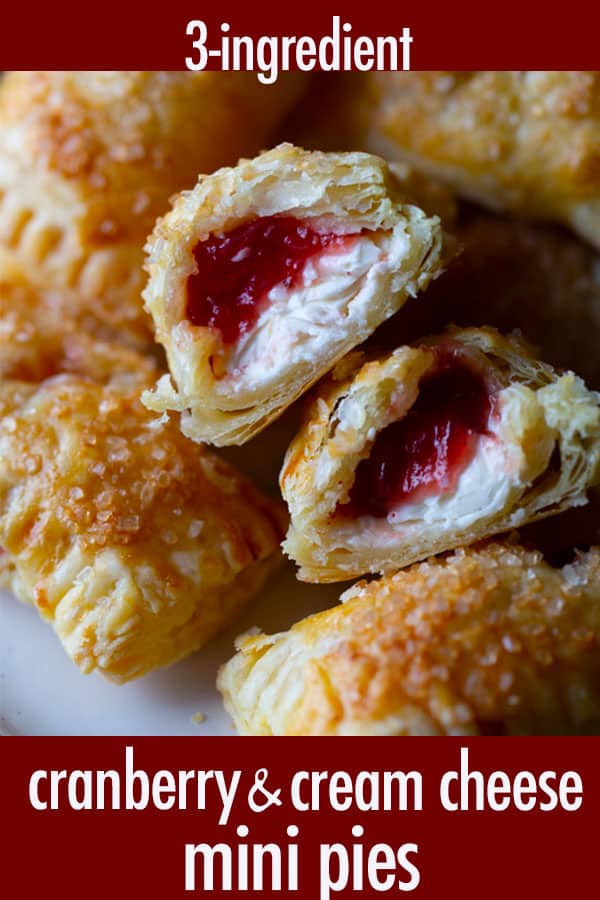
[198,718]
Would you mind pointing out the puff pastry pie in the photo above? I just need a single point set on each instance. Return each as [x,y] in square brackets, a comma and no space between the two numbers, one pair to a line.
[265,275]
[134,543]
[488,641]
[89,159]
[528,142]
[431,447]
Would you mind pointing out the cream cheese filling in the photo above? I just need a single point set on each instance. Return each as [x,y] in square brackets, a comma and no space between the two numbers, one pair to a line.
[306,322]
[488,486]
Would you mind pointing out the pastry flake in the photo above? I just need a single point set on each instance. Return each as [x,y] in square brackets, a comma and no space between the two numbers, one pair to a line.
[431,447]
[265,275]
[487,641]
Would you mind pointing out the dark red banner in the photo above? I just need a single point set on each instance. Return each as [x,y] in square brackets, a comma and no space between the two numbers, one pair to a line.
[447,817]
[465,35]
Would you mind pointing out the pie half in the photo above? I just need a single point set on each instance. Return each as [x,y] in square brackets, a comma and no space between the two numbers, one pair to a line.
[265,275]
[432,447]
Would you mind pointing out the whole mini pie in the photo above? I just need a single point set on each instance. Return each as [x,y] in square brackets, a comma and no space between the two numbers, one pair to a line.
[487,641]
[136,544]
[265,275]
[431,447]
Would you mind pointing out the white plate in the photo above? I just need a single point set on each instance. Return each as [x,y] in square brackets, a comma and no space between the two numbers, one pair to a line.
[41,691]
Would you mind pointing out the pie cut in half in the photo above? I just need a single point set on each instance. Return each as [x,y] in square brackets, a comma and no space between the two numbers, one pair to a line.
[265,275]
[432,447]
[486,641]
[134,543]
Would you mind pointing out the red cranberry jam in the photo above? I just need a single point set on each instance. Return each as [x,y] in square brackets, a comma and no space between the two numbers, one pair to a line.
[425,453]
[237,270]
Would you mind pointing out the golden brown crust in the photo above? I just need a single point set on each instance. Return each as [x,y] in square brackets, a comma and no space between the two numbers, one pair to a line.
[88,161]
[38,340]
[135,543]
[491,640]
[542,454]
[527,142]
[348,194]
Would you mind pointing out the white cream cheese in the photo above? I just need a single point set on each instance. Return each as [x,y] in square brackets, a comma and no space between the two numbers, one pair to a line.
[496,476]
[305,322]
[483,487]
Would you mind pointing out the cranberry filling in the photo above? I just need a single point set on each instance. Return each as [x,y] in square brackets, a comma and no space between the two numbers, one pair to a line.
[425,452]
[237,270]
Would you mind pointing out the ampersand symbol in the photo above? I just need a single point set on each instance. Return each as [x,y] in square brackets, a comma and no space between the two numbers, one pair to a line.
[270,798]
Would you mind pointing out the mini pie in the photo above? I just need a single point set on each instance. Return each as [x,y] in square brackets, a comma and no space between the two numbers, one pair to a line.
[487,641]
[134,543]
[525,142]
[265,275]
[88,160]
[434,446]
